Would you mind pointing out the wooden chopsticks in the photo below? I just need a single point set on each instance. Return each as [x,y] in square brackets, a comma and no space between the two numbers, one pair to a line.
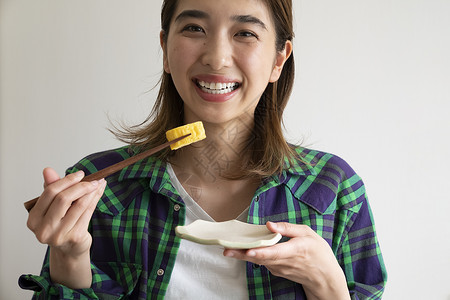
[116,167]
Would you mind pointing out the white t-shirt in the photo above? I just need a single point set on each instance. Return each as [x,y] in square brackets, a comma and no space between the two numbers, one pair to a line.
[201,271]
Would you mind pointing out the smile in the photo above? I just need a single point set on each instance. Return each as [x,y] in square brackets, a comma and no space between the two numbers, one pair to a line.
[217,88]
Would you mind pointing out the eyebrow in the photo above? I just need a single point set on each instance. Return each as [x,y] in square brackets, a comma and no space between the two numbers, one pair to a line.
[249,19]
[198,14]
[193,13]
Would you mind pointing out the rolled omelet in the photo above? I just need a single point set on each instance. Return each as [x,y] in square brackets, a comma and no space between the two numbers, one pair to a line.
[195,129]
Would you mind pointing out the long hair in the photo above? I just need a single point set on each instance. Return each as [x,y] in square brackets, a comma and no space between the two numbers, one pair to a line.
[266,149]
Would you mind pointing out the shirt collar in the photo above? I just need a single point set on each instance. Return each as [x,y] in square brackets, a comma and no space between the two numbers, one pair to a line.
[299,173]
[155,170]
[302,165]
[152,168]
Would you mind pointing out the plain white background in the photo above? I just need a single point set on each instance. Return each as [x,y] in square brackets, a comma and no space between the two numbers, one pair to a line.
[373,86]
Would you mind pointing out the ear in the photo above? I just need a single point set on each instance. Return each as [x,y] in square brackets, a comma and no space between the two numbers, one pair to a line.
[164,49]
[281,58]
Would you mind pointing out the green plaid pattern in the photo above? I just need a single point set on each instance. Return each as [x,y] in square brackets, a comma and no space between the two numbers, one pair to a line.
[133,228]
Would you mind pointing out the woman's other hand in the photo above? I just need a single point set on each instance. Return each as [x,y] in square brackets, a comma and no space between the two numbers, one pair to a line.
[306,259]
[60,219]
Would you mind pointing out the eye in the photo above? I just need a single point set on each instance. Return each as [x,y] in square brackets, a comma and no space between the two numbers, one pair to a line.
[246,34]
[192,29]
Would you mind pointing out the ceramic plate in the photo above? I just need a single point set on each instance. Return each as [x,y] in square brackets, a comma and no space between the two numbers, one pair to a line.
[230,234]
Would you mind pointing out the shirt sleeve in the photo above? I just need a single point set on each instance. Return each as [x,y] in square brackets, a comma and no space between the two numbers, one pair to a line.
[360,255]
[103,287]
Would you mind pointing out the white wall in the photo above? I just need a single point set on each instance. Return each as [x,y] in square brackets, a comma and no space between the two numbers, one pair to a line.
[373,86]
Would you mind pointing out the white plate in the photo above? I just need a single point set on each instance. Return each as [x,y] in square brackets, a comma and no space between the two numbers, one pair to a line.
[230,234]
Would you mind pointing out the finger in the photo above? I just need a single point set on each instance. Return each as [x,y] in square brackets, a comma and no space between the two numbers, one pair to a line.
[81,212]
[288,229]
[50,176]
[63,201]
[277,266]
[261,256]
[79,232]
[68,232]
[235,253]
[271,255]
[276,255]
[46,198]
[248,256]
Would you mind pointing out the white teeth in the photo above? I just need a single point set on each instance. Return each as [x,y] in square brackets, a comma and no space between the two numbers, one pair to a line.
[217,87]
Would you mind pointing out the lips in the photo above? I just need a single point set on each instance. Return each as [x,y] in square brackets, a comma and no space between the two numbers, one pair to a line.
[213,88]
[217,88]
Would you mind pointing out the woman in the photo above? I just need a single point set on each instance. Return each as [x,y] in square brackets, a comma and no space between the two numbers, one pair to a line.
[228,63]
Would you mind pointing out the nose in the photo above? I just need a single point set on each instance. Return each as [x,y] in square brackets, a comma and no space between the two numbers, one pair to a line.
[218,52]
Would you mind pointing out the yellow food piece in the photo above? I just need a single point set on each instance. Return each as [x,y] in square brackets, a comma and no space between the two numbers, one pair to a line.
[195,129]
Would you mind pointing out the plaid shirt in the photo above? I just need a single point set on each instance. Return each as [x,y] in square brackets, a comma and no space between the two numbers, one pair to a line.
[135,247]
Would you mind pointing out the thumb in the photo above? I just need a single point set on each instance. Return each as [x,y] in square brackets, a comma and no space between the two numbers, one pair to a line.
[288,229]
[50,176]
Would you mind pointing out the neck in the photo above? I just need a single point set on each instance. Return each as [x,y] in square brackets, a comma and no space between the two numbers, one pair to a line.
[221,153]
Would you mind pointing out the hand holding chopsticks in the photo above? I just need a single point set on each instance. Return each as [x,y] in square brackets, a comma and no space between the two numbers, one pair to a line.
[116,167]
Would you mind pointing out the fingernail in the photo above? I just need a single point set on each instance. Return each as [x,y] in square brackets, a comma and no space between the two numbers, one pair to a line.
[99,182]
[251,253]
[274,225]
[79,173]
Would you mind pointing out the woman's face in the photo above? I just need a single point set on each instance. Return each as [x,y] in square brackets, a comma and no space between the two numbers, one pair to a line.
[221,55]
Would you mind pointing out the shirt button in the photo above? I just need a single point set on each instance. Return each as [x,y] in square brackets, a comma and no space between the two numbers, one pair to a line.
[256,266]
[176,207]
[257,198]
[160,272]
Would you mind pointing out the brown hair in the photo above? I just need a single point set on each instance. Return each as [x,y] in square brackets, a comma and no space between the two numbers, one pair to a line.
[267,147]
